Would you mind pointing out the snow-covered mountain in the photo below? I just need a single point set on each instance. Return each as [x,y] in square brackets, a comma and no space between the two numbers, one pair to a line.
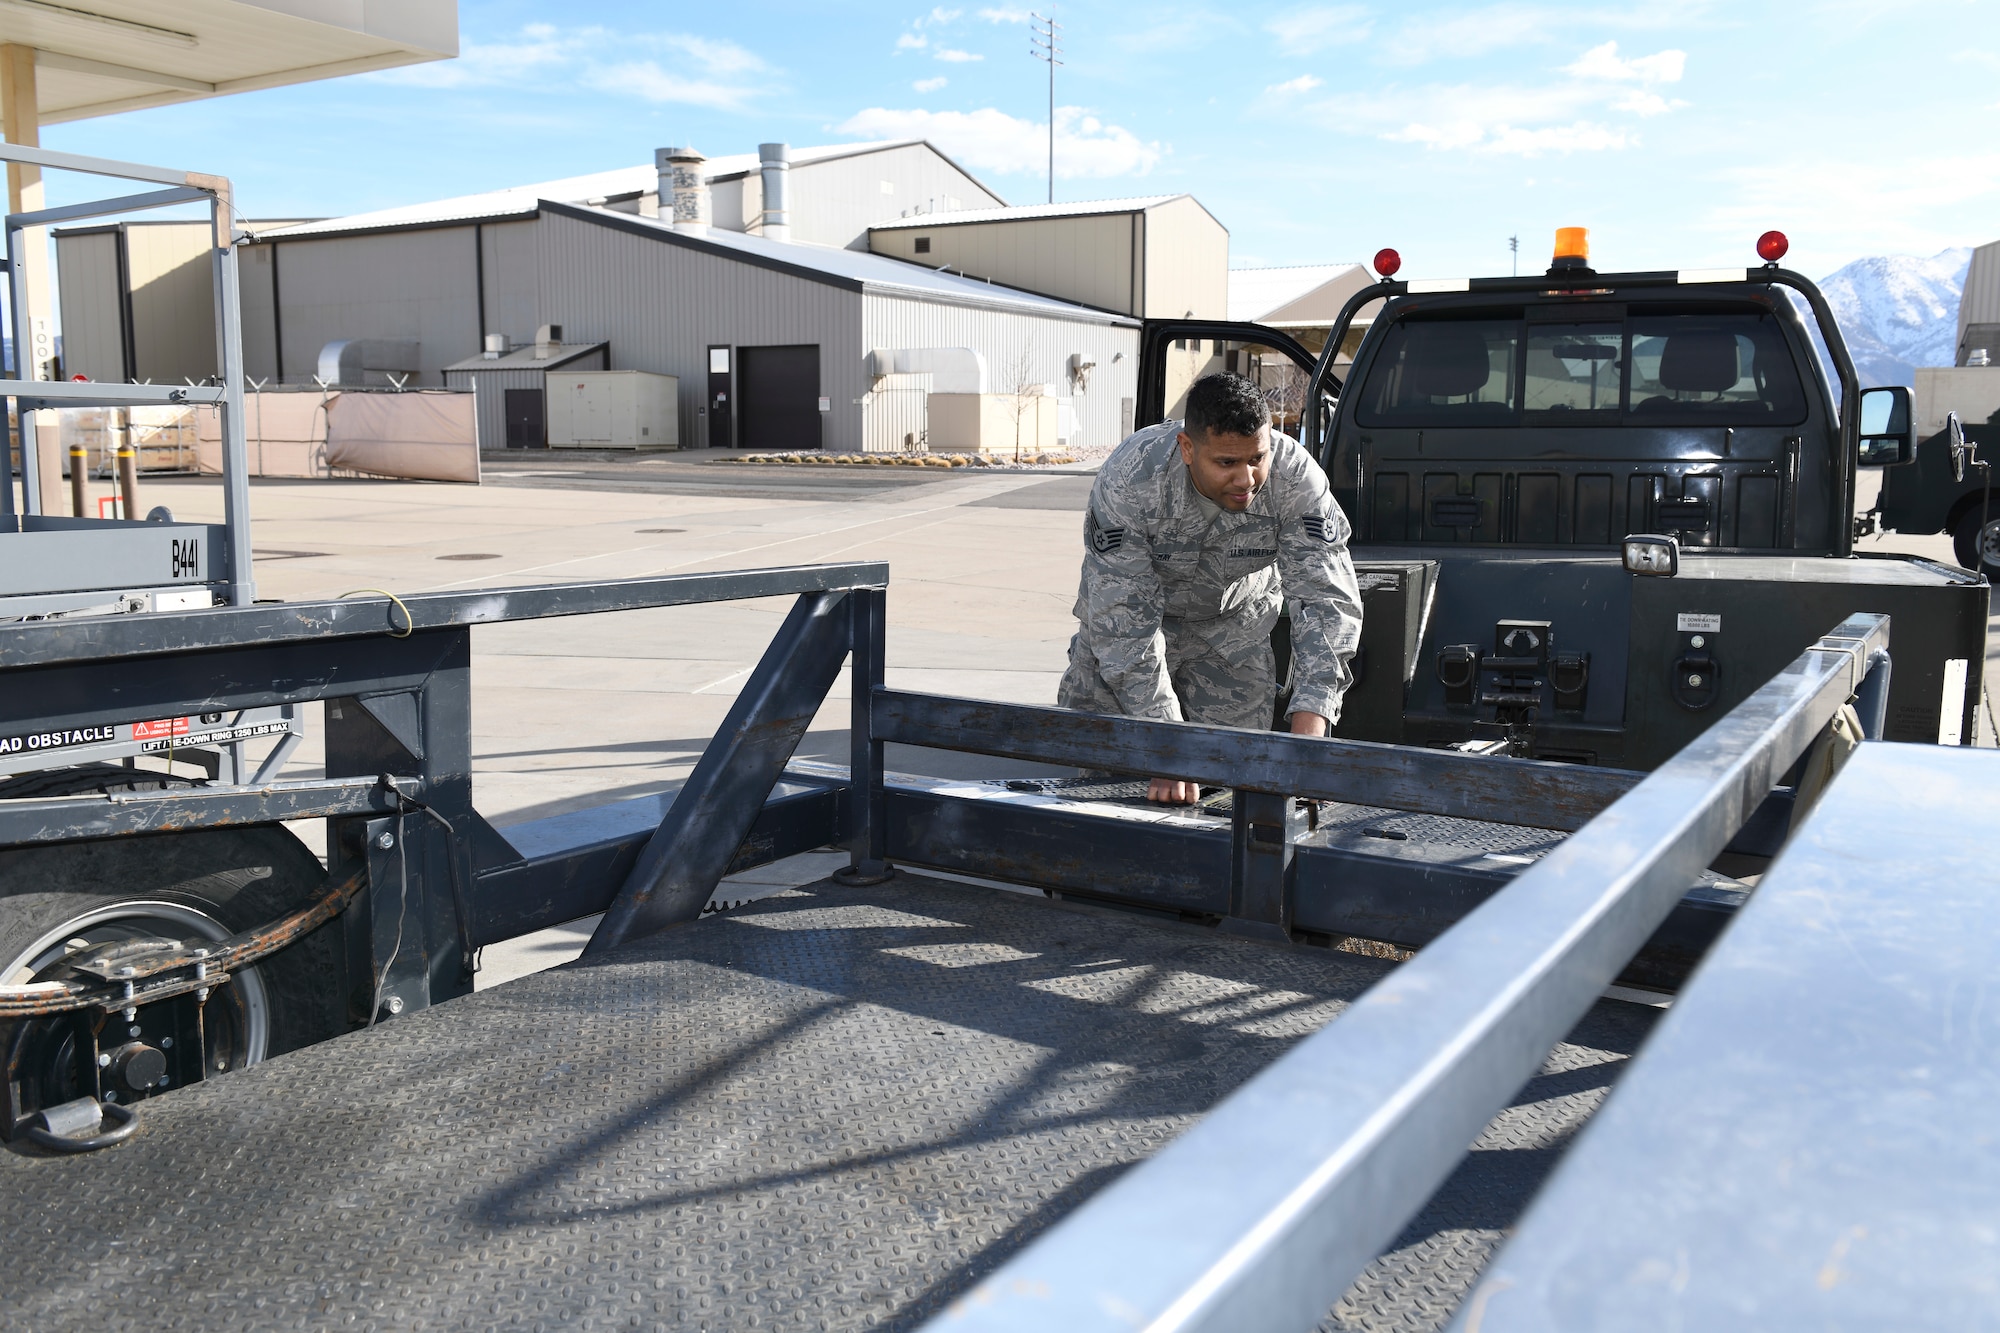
[1898,312]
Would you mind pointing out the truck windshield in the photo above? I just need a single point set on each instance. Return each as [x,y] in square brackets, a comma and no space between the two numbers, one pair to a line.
[1654,369]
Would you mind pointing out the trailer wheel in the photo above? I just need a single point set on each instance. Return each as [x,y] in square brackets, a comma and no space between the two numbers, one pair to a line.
[1977,546]
[201,884]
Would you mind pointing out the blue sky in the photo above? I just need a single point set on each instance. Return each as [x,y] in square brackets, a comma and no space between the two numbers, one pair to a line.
[1316,133]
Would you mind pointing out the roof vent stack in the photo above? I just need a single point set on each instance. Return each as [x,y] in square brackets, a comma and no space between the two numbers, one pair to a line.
[683,188]
[775,160]
[547,339]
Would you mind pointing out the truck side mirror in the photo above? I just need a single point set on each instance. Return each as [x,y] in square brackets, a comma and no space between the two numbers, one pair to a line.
[1888,428]
[1652,556]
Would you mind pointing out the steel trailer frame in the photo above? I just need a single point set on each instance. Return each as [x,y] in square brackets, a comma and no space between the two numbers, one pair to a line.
[394,677]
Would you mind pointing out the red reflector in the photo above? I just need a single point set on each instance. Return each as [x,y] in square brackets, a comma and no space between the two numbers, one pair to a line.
[1387,262]
[1771,246]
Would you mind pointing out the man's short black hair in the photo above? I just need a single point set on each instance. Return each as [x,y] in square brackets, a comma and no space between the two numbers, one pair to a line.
[1225,404]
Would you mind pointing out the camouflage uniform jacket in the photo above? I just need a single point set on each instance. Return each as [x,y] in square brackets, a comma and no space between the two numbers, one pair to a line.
[1157,561]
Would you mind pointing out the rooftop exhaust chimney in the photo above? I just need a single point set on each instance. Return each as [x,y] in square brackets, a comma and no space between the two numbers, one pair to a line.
[683,188]
[775,160]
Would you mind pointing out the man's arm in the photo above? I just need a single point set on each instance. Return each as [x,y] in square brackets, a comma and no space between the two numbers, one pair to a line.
[1123,603]
[1320,585]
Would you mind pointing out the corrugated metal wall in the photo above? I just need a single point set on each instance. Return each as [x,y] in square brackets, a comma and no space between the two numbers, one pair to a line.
[1187,262]
[834,202]
[171,270]
[253,279]
[1980,301]
[1016,346]
[406,284]
[93,305]
[513,282]
[662,306]
[1084,259]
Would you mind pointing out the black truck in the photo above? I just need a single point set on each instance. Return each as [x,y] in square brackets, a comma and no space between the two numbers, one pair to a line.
[1948,487]
[1593,511]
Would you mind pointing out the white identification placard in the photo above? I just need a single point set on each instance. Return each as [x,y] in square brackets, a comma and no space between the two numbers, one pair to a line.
[1951,708]
[1696,622]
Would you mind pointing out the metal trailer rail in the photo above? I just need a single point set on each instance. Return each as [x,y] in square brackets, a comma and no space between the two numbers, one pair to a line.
[1261,1216]
[1258,1217]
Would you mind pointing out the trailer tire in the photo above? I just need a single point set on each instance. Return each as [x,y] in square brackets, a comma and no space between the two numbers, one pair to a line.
[201,883]
[1978,549]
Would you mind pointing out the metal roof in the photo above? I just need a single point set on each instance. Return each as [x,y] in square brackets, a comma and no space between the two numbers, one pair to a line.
[528,357]
[1255,293]
[857,270]
[119,55]
[521,200]
[961,217]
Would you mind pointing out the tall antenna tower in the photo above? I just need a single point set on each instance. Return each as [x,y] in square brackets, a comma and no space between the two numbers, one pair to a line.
[1514,247]
[1046,45]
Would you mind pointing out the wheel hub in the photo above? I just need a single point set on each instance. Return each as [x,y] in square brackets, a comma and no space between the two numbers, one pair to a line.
[131,1054]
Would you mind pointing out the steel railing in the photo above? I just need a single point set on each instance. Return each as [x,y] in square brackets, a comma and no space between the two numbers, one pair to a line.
[1262,1214]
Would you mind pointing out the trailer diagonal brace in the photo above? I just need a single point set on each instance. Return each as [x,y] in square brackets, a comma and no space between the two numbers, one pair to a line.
[688,854]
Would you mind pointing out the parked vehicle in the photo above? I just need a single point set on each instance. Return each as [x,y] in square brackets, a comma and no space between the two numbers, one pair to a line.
[1593,511]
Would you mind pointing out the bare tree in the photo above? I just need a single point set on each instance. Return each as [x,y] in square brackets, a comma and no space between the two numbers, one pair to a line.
[1284,386]
[1024,393]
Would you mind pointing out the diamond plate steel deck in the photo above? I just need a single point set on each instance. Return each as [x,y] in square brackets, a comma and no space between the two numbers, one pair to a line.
[833,1109]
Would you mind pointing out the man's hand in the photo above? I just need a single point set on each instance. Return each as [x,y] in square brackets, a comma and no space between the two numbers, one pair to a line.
[1308,724]
[1172,791]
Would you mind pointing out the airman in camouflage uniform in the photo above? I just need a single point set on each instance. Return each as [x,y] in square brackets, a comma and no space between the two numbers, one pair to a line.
[1180,589]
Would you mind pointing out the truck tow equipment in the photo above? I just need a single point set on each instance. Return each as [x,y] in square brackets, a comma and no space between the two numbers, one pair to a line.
[853,1101]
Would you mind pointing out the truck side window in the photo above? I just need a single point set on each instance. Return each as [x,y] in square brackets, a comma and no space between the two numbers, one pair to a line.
[1444,372]
[1713,370]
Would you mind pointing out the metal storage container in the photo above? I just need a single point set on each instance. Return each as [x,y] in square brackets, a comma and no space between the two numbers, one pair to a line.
[612,409]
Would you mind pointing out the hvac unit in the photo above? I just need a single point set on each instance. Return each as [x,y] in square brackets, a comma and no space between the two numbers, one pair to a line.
[612,409]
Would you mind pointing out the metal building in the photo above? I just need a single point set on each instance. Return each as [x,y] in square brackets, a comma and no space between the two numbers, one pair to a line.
[1163,257]
[1979,307]
[771,340]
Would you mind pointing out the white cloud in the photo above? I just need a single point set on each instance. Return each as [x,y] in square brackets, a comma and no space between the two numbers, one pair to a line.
[656,67]
[1843,206]
[1475,32]
[1642,103]
[1605,64]
[1303,84]
[1315,27]
[940,15]
[1006,15]
[911,41]
[645,79]
[953,56]
[930,85]
[992,140]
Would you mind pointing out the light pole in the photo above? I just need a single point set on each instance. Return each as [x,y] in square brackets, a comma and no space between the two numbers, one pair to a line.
[1046,45]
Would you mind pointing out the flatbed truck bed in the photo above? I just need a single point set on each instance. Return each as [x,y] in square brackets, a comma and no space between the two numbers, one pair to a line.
[834,1108]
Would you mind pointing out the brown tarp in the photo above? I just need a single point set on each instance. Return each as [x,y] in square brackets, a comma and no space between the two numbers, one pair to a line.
[422,436]
[284,435]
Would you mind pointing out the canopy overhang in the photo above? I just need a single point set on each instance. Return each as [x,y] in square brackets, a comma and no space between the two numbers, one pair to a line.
[97,57]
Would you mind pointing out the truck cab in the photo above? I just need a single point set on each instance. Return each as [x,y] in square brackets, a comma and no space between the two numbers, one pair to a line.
[1498,444]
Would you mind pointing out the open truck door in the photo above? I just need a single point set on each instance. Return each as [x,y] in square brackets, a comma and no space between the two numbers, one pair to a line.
[1174,353]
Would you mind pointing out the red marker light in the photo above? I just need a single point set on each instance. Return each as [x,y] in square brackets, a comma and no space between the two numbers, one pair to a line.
[1771,246]
[1387,262]
[80,379]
